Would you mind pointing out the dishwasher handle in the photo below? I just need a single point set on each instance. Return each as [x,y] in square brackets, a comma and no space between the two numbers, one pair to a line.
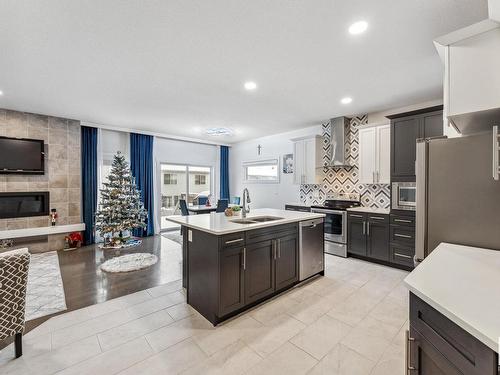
[311,223]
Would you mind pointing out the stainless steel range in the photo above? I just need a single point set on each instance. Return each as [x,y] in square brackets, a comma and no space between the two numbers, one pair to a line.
[336,223]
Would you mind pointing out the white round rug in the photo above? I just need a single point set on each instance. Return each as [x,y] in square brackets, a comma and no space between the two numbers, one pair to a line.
[129,262]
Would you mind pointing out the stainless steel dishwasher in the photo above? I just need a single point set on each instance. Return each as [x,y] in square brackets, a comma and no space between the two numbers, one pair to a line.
[311,248]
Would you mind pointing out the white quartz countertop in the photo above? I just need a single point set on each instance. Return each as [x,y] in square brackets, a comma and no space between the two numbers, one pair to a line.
[298,204]
[370,210]
[462,283]
[218,223]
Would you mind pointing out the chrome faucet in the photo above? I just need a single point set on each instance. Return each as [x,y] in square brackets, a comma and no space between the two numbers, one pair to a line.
[246,200]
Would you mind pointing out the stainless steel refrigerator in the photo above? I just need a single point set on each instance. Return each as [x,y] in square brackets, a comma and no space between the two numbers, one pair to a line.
[458,201]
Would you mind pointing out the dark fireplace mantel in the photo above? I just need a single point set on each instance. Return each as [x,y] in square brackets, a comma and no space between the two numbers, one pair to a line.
[24,204]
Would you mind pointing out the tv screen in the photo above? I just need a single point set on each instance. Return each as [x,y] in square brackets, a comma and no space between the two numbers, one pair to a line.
[21,155]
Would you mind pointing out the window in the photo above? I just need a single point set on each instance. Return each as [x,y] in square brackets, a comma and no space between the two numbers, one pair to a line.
[265,171]
[169,179]
[200,179]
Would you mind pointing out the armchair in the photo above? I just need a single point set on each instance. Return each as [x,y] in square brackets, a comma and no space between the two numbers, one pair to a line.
[13,280]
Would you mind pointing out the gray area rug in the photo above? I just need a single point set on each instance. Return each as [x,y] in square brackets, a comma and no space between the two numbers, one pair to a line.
[45,291]
[174,235]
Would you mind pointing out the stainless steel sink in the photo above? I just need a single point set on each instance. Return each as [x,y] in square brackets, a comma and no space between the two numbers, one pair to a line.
[242,221]
[262,219]
[255,220]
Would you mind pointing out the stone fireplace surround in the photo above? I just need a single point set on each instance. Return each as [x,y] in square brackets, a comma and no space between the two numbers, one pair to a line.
[61,179]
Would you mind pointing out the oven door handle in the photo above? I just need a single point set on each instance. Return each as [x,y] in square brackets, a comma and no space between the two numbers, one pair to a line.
[325,211]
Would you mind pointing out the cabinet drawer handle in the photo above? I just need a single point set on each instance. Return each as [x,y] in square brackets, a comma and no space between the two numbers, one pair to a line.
[368,228]
[376,218]
[402,255]
[409,340]
[234,241]
[402,235]
[244,258]
[279,248]
[402,221]
[364,228]
[353,215]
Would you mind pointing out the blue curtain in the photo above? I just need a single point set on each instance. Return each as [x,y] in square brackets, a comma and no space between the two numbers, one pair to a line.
[224,172]
[141,164]
[89,180]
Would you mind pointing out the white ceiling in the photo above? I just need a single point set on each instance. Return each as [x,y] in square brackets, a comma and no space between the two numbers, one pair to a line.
[178,66]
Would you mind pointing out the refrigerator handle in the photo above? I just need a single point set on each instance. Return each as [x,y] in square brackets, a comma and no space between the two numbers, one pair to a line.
[421,203]
[496,148]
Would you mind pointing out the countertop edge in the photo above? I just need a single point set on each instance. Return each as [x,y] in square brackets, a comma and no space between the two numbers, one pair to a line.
[247,227]
[492,344]
[380,211]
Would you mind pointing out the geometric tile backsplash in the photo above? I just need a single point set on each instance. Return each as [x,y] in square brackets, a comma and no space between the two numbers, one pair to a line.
[345,180]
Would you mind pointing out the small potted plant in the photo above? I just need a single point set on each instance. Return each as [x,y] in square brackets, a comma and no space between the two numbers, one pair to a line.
[73,240]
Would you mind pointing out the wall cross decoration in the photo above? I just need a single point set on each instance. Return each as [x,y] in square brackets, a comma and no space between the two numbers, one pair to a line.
[259,149]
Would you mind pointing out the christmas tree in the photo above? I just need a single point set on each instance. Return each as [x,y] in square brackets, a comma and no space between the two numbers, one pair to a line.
[120,207]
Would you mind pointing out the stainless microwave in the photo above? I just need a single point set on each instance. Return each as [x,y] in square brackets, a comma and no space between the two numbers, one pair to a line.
[404,196]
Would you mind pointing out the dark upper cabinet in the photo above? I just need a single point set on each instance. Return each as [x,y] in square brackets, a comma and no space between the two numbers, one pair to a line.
[356,236]
[377,237]
[259,270]
[406,128]
[432,125]
[404,135]
[287,261]
[232,283]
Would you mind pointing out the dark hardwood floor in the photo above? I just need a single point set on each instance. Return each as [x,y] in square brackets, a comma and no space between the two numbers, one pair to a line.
[85,284]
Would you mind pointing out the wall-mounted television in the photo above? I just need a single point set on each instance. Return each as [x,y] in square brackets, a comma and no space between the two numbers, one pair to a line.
[22,156]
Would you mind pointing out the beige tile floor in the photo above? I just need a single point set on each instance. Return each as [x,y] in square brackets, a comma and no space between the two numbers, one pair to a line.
[350,322]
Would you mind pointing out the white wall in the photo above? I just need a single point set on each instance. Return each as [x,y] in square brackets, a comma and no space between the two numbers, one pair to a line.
[274,146]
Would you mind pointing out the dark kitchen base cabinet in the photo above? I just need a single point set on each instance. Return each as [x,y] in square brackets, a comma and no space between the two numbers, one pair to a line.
[402,238]
[230,273]
[368,236]
[437,346]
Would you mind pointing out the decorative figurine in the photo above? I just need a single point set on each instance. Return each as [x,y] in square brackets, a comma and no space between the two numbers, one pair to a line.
[53,217]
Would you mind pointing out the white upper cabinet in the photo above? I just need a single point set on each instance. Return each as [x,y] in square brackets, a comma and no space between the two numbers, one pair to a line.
[471,59]
[367,155]
[474,73]
[307,156]
[375,155]
[384,154]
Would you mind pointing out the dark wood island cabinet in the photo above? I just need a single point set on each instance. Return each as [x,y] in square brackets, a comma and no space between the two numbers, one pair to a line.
[437,346]
[227,274]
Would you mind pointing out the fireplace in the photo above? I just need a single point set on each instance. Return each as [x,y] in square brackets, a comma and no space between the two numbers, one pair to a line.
[21,204]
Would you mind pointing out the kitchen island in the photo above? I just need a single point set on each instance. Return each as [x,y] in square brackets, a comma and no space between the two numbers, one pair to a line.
[455,312]
[234,263]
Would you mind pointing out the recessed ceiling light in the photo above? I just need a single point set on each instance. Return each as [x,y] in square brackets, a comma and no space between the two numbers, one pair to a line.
[250,85]
[358,27]
[346,100]
[1,92]
[217,132]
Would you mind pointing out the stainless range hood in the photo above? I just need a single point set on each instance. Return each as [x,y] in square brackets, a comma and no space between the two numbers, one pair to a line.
[339,142]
